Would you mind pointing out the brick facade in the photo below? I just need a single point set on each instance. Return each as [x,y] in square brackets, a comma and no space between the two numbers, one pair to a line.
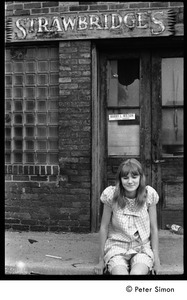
[58,198]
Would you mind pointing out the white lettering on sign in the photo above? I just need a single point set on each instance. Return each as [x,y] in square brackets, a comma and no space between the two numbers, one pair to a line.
[85,26]
[119,117]
[113,21]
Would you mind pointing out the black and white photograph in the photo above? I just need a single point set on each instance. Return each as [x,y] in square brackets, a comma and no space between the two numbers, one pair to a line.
[94,121]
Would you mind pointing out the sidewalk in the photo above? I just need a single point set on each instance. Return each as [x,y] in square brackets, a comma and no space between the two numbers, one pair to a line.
[74,254]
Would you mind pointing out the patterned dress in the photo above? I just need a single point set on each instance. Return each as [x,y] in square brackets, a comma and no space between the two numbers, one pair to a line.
[129,228]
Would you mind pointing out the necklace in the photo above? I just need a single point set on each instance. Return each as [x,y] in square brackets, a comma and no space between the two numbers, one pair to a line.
[131,204]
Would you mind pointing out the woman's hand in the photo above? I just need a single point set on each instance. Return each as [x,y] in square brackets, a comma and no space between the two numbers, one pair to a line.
[103,233]
[156,265]
[98,269]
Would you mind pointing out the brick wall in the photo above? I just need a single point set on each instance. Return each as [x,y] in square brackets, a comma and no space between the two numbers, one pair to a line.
[31,8]
[74,126]
[57,198]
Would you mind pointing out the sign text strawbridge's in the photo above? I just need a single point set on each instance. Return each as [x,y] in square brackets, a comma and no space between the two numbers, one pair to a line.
[88,26]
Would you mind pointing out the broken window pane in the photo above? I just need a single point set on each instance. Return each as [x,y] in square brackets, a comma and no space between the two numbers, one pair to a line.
[123,82]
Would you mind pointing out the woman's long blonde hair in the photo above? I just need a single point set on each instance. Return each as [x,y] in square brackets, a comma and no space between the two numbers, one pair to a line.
[134,167]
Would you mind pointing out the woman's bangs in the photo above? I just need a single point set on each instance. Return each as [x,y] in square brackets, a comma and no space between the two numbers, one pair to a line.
[130,168]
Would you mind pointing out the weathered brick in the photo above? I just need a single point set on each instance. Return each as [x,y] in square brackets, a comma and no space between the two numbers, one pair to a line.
[176,3]
[27,196]
[40,10]
[8,177]
[49,170]
[20,227]
[159,4]
[65,56]
[79,178]
[98,7]
[7,226]
[9,169]
[139,5]
[9,13]
[53,178]
[70,50]
[65,80]
[31,170]
[68,222]
[26,170]
[81,67]
[67,62]
[20,170]
[12,221]
[59,228]
[85,217]
[37,170]
[84,86]
[14,6]
[22,12]
[10,7]
[84,61]
[38,228]
[68,86]
[65,92]
[32,5]
[55,170]
[84,223]
[75,74]
[43,170]
[39,178]
[79,8]
[29,222]
[80,229]
[118,6]
[12,209]
[63,45]
[57,9]
[20,178]
[49,4]
[65,68]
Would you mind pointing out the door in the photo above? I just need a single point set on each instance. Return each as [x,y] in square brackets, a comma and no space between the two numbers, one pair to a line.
[141,96]
[167,135]
[128,113]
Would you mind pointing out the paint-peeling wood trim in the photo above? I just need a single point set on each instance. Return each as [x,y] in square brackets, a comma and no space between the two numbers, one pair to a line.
[95,145]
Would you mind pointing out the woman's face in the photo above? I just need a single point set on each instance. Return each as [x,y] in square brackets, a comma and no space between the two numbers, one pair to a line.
[130,183]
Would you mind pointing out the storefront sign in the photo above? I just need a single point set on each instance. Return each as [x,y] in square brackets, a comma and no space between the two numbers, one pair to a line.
[118,117]
[91,25]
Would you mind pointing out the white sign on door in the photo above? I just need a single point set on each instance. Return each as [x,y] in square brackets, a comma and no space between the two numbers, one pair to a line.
[117,117]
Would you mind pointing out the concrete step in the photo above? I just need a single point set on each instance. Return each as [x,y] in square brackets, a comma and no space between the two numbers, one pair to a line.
[74,254]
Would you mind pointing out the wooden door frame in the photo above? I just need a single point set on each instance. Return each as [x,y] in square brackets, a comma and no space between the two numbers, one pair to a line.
[156,117]
[99,124]
[157,179]
[98,143]
[95,183]
[145,112]
[148,141]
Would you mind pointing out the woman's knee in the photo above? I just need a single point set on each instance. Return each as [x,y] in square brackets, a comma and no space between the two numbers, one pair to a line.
[119,270]
[139,269]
